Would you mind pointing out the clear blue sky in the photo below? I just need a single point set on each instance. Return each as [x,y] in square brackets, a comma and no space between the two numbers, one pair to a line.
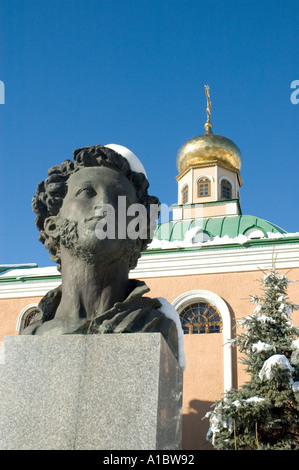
[132,72]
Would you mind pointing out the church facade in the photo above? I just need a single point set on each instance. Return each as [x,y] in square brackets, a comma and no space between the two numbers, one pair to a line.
[206,261]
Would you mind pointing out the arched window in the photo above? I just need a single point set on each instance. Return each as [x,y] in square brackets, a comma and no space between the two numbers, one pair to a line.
[254,232]
[185,194]
[26,316]
[226,189]
[187,299]
[201,318]
[200,236]
[203,187]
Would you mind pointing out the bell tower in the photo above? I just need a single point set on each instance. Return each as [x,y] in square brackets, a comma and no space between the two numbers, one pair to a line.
[209,174]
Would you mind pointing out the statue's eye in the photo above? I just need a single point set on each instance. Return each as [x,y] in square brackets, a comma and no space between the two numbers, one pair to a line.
[87,191]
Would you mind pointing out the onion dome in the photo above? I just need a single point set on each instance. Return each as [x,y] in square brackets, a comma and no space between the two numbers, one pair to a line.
[208,148]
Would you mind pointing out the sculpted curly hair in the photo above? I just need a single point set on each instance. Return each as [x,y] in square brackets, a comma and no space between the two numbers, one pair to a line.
[50,193]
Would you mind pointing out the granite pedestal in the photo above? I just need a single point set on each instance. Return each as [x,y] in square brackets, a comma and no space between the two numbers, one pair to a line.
[112,392]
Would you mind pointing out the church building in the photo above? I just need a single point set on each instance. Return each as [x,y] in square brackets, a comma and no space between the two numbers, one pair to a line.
[206,261]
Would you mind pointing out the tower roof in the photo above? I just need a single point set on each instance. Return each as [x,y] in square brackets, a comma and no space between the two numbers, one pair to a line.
[208,148]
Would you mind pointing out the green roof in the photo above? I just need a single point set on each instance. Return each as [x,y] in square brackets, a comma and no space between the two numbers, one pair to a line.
[232,226]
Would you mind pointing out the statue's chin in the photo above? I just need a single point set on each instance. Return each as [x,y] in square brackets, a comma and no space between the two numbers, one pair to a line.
[89,248]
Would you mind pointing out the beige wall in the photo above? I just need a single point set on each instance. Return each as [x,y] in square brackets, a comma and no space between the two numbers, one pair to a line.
[203,385]
[10,310]
[207,210]
[203,378]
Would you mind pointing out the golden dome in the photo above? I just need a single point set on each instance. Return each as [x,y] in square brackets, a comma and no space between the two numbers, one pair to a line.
[208,148]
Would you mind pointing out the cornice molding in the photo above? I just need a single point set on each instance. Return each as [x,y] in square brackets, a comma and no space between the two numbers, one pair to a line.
[192,262]
[166,263]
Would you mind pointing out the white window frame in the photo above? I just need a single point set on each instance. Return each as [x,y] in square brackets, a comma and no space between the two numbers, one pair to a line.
[186,299]
[23,314]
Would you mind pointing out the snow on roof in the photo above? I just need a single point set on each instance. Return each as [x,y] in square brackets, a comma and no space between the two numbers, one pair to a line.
[31,272]
[192,239]
[6,267]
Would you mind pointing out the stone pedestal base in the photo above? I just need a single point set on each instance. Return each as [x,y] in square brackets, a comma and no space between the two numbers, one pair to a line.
[112,392]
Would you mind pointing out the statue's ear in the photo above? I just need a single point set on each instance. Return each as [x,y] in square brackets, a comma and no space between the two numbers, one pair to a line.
[51,227]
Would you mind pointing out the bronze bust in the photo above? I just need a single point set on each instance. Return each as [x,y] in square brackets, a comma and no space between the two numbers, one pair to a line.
[96,295]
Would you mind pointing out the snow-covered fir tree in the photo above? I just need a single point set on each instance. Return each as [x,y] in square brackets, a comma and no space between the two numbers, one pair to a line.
[264,413]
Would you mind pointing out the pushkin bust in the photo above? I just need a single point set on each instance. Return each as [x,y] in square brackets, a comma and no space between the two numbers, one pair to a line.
[96,295]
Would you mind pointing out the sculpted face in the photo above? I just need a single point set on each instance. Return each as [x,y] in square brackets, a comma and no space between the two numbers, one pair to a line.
[88,190]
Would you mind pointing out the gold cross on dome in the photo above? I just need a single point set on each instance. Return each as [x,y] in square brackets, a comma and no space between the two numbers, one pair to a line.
[208,125]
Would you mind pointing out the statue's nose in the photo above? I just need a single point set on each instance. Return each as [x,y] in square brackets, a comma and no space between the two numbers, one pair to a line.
[101,199]
[100,209]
